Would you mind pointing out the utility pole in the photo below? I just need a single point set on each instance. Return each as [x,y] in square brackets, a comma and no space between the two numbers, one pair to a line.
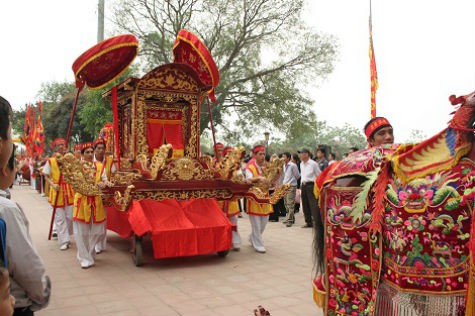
[100,21]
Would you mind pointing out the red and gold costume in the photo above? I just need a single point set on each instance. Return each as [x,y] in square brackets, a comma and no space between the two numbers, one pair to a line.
[61,200]
[231,208]
[66,193]
[254,208]
[90,208]
[89,215]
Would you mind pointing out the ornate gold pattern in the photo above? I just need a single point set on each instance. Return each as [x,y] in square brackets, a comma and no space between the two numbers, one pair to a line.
[231,163]
[279,193]
[274,169]
[169,78]
[207,161]
[193,141]
[140,130]
[186,168]
[221,194]
[159,159]
[143,160]
[124,201]
[125,163]
[78,175]
[122,177]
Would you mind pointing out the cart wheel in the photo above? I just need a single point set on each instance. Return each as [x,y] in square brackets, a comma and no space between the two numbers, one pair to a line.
[223,253]
[138,251]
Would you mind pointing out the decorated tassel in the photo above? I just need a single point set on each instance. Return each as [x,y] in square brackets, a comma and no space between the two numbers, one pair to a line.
[319,293]
[378,200]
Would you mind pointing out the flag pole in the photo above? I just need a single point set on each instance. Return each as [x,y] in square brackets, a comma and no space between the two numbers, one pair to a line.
[372,65]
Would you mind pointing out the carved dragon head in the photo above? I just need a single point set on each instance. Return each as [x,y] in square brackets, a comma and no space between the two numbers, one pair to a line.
[464,117]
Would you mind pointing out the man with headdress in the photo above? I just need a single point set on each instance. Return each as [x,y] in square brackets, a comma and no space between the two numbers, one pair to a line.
[106,159]
[258,212]
[61,194]
[109,168]
[77,151]
[379,131]
[218,149]
[89,216]
[231,209]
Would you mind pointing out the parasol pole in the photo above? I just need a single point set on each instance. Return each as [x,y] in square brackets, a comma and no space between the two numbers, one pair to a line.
[212,129]
[372,65]
[71,120]
[54,210]
[68,136]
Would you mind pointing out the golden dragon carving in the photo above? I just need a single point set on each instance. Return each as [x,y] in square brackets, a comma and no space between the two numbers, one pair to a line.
[78,175]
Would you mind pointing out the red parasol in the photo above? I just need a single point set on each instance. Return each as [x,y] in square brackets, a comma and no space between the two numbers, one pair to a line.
[105,61]
[188,49]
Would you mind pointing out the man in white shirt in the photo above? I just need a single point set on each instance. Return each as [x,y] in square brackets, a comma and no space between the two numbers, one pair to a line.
[291,175]
[309,171]
[29,283]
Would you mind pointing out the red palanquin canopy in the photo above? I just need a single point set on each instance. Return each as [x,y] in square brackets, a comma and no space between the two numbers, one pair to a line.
[188,49]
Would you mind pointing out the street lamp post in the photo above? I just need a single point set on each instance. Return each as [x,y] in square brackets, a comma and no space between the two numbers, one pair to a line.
[266,138]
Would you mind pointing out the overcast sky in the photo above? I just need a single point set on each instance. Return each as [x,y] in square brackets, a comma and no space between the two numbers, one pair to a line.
[425,51]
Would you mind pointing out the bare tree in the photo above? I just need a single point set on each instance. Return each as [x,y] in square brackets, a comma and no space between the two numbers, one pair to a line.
[263,49]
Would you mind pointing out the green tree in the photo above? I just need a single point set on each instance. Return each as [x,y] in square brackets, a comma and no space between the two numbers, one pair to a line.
[263,49]
[53,92]
[57,117]
[340,139]
[95,112]
[18,121]
[58,100]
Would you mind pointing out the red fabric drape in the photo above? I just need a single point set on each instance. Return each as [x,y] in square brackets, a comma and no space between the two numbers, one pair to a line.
[155,136]
[177,228]
[174,136]
[164,126]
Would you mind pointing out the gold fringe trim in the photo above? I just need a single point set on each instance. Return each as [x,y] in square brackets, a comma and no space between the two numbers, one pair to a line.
[319,297]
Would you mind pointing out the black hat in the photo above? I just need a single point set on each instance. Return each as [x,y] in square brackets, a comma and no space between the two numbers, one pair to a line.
[304,150]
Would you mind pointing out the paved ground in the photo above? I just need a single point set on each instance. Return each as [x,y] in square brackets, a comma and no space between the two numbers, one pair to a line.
[205,285]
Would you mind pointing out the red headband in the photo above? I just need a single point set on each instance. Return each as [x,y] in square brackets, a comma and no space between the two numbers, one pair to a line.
[58,141]
[226,150]
[258,148]
[219,146]
[376,124]
[99,141]
[86,145]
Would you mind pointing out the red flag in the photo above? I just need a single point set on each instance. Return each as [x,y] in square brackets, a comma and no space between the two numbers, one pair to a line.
[39,132]
[372,69]
[26,127]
